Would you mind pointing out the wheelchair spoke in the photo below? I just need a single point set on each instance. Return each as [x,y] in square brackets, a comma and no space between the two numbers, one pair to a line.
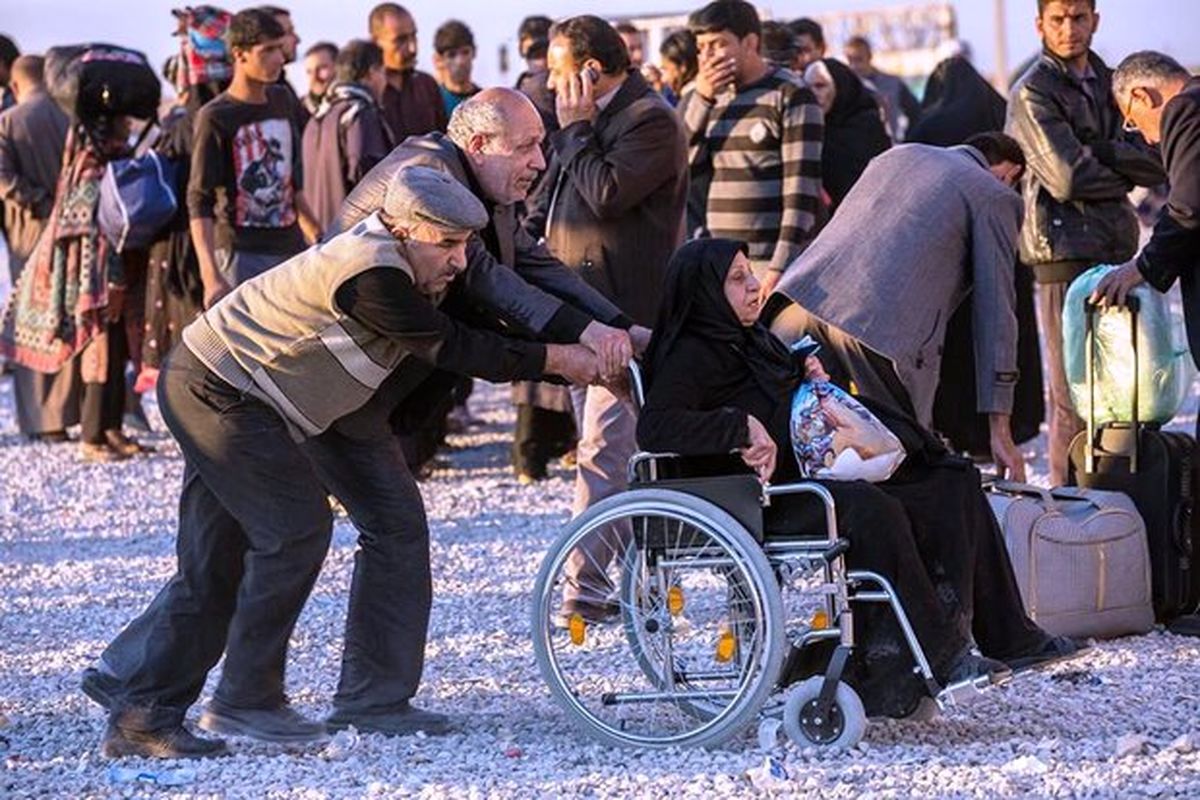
[686,655]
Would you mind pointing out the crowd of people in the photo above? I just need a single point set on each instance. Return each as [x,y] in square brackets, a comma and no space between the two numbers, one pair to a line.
[343,262]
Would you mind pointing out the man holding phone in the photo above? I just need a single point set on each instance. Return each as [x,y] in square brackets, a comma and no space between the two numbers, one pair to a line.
[615,213]
[759,131]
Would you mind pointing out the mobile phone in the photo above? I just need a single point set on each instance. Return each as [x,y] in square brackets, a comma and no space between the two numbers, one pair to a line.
[592,73]
[805,347]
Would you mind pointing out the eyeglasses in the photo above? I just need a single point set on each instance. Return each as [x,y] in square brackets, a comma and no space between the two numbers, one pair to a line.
[1128,125]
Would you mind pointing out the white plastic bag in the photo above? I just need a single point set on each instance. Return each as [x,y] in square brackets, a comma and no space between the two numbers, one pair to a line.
[1165,370]
[835,437]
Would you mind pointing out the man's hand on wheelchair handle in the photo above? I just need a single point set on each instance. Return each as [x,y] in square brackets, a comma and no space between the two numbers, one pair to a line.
[574,362]
[641,339]
[612,346]
[760,455]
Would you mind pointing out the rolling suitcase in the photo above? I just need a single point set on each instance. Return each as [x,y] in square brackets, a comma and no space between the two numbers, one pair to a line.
[1157,470]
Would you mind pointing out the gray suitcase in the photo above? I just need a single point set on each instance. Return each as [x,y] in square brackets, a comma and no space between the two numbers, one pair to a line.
[1080,556]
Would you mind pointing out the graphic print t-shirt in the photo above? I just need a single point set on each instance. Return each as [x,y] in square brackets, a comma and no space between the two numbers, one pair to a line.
[246,172]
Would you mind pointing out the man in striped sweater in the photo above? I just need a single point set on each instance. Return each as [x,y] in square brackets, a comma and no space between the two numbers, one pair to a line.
[759,130]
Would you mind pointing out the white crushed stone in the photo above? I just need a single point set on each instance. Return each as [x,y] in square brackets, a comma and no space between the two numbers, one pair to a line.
[84,547]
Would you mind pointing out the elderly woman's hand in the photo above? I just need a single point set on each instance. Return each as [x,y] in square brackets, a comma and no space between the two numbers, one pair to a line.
[814,370]
[760,455]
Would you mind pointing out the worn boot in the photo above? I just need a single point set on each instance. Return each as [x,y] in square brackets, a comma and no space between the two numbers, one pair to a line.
[282,724]
[176,742]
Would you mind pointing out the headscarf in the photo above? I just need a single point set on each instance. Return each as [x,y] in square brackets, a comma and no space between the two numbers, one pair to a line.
[57,307]
[852,96]
[958,104]
[694,304]
[854,130]
[343,92]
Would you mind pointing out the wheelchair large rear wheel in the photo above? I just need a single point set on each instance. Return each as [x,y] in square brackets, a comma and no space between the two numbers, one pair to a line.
[674,631]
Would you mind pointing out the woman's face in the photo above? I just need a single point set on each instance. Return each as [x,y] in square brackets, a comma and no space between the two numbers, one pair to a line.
[741,290]
[822,86]
[672,75]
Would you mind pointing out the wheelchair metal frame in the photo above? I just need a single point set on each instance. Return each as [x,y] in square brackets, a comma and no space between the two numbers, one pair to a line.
[842,587]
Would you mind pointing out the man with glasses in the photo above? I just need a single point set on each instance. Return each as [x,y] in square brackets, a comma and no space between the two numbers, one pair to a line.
[1081,169]
[1162,100]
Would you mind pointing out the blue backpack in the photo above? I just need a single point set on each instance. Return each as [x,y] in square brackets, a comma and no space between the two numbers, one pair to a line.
[137,200]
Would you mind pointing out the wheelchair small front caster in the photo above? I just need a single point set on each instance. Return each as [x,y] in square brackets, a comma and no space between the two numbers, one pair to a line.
[841,728]
[925,710]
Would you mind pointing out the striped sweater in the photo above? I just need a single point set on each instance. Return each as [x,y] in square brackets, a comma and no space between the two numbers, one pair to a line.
[764,147]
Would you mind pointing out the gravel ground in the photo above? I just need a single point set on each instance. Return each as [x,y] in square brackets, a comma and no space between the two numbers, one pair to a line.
[84,547]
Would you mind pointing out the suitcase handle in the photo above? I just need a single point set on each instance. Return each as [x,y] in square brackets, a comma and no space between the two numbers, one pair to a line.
[1090,309]
[1012,487]
[1049,497]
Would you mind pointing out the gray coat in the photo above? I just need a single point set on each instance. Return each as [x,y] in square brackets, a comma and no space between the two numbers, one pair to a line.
[922,228]
[32,137]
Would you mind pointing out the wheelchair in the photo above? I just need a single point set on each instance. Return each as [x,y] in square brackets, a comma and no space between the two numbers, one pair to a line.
[686,618]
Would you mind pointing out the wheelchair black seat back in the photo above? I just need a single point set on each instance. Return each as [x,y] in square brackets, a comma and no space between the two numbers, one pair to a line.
[721,479]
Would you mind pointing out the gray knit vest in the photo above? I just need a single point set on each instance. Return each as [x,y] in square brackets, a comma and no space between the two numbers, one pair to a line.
[281,338]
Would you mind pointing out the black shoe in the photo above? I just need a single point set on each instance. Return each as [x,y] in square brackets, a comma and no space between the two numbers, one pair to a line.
[175,742]
[403,720]
[970,666]
[100,687]
[50,437]
[1052,651]
[1188,625]
[283,724]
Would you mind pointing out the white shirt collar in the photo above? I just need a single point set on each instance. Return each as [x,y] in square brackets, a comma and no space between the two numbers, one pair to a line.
[603,100]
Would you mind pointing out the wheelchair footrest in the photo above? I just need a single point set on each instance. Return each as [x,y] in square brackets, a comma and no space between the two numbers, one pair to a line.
[968,691]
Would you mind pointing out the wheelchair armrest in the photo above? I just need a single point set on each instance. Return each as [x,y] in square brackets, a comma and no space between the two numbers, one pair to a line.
[838,548]
[809,487]
[641,457]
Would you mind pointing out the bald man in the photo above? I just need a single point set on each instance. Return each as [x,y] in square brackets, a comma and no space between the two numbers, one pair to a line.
[493,147]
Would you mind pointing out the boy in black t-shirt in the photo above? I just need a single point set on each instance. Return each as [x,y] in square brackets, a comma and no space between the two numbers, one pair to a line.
[247,210]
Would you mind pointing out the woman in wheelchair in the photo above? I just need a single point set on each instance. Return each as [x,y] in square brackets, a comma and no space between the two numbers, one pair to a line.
[719,382]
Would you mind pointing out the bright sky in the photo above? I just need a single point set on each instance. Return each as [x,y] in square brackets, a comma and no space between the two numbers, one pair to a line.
[1126,25]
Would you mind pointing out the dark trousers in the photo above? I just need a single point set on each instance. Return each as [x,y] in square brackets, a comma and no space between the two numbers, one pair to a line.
[254,527]
[541,435]
[104,403]
[960,539]
[391,590]
[931,533]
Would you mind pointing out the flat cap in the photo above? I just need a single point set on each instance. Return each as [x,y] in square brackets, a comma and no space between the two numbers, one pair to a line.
[423,194]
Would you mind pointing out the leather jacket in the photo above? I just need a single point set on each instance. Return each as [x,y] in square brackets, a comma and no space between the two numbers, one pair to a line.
[1080,168]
